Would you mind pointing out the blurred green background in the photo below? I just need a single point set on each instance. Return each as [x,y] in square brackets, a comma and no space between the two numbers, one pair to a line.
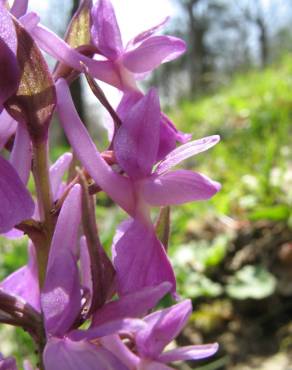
[233,254]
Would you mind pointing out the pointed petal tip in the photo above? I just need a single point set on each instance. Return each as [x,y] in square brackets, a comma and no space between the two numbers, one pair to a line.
[192,352]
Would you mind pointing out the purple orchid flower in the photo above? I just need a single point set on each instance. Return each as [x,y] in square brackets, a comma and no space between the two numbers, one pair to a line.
[24,281]
[161,328]
[142,54]
[141,126]
[169,135]
[61,298]
[61,303]
[136,145]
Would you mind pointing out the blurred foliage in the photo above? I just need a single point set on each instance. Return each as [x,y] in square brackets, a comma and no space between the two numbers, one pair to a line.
[251,282]
[254,160]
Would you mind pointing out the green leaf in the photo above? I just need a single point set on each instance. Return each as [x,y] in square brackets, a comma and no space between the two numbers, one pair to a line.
[279,212]
[251,282]
[198,285]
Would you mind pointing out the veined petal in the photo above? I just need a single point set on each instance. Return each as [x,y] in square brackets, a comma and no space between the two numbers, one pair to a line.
[153,52]
[57,171]
[61,297]
[64,354]
[185,151]
[19,8]
[178,187]
[105,30]
[102,69]
[186,353]
[137,140]
[21,154]
[117,187]
[16,202]
[112,327]
[24,281]
[162,327]
[131,305]
[140,260]
[8,127]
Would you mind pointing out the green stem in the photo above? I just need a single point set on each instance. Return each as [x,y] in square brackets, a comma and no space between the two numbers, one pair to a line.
[44,197]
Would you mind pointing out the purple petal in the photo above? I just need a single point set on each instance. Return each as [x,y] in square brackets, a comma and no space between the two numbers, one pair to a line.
[146,34]
[9,72]
[162,327]
[7,30]
[105,31]
[7,127]
[24,281]
[61,298]
[140,260]
[178,187]
[86,278]
[153,52]
[115,345]
[189,353]
[61,294]
[13,234]
[7,363]
[16,202]
[21,154]
[120,231]
[131,305]
[102,69]
[117,187]
[19,8]
[57,171]
[169,136]
[185,151]
[64,354]
[29,20]
[137,140]
[66,232]
[112,327]
[129,99]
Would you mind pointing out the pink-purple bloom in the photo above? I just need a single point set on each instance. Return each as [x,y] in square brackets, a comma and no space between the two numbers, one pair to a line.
[84,307]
